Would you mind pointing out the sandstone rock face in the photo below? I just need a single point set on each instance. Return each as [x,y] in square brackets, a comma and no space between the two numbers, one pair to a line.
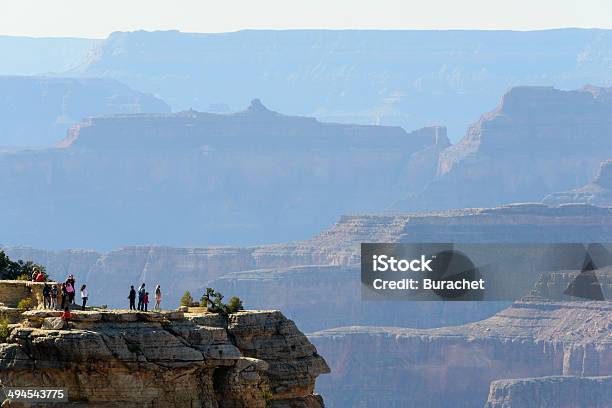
[193,179]
[37,111]
[401,367]
[118,358]
[538,141]
[13,291]
[559,392]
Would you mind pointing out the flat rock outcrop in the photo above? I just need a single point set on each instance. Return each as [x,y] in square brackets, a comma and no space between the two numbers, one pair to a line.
[453,366]
[131,359]
[556,391]
[538,141]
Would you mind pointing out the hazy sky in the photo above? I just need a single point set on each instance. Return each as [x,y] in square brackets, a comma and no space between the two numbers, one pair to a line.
[97,18]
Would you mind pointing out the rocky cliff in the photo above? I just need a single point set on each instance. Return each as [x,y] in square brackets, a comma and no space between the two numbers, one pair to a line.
[597,192]
[539,140]
[131,359]
[453,366]
[558,391]
[193,179]
[37,111]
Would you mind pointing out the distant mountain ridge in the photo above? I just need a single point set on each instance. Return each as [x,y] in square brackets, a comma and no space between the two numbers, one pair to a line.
[539,140]
[38,110]
[407,78]
[193,178]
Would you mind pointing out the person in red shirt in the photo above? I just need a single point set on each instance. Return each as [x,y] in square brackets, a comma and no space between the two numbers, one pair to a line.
[40,277]
[146,301]
[66,317]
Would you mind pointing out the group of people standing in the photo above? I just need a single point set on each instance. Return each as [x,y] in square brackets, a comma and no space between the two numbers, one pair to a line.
[63,294]
[143,298]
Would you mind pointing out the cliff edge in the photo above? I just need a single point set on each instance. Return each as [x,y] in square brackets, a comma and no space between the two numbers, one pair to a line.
[107,358]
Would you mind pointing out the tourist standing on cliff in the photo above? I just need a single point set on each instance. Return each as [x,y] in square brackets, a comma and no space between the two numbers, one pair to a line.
[158,298]
[66,317]
[64,292]
[145,301]
[84,296]
[46,296]
[141,295]
[132,297]
[54,296]
[70,291]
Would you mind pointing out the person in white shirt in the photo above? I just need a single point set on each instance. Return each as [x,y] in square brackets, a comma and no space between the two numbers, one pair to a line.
[84,296]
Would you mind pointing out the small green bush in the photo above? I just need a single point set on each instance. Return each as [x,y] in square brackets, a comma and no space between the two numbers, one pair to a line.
[267,397]
[234,305]
[4,330]
[213,302]
[24,277]
[187,299]
[25,304]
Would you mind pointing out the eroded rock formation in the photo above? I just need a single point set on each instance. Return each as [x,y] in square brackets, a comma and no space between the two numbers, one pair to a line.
[558,392]
[597,192]
[254,359]
[361,76]
[315,282]
[538,141]
[193,178]
[453,366]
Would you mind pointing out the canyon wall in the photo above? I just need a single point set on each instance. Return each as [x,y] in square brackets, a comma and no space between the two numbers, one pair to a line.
[194,179]
[453,366]
[254,359]
[538,141]
[597,192]
[311,279]
[353,76]
[558,391]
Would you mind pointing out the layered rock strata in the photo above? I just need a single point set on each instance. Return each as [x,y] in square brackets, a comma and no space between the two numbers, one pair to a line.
[538,141]
[193,178]
[309,279]
[558,392]
[597,192]
[131,359]
[453,366]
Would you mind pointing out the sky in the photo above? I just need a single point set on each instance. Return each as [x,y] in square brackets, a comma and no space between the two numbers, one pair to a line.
[98,18]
